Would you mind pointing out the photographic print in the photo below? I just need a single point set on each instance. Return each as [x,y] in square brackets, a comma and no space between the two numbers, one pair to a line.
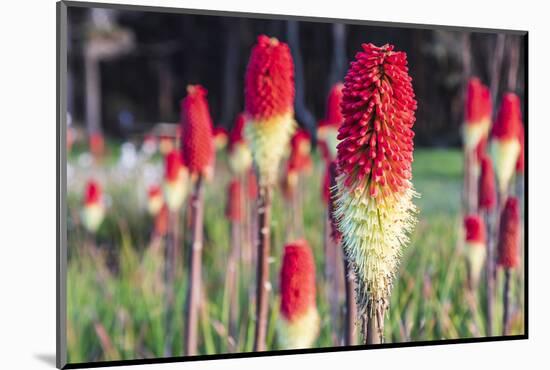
[234,184]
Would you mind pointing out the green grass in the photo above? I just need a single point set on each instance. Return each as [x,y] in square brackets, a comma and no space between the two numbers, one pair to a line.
[119,288]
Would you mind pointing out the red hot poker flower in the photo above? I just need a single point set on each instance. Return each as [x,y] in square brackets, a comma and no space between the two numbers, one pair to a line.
[334,114]
[155,199]
[300,149]
[233,211]
[475,229]
[508,122]
[374,207]
[475,248]
[478,102]
[487,187]
[299,320]
[269,105]
[93,211]
[97,144]
[236,136]
[478,110]
[240,158]
[509,235]
[197,144]
[269,81]
[173,166]
[327,129]
[175,175]
[506,135]
[92,193]
[297,280]
[220,137]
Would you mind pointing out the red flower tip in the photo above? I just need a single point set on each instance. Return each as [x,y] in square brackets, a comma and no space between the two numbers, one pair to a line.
[220,132]
[487,187]
[173,166]
[475,229]
[92,192]
[236,135]
[233,211]
[196,136]
[300,148]
[334,114]
[509,233]
[97,144]
[269,80]
[154,191]
[508,123]
[481,148]
[378,107]
[478,102]
[297,282]
[220,137]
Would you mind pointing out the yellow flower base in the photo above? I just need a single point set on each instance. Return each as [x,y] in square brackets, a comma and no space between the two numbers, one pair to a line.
[268,141]
[301,332]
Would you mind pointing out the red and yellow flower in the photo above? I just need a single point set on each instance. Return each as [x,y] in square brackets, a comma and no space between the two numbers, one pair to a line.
[155,199]
[327,129]
[175,180]
[478,112]
[93,210]
[487,187]
[269,105]
[374,207]
[476,250]
[298,325]
[240,158]
[220,137]
[509,235]
[506,144]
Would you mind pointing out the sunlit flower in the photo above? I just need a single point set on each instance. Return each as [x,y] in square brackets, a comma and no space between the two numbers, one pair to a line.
[475,246]
[505,144]
[487,188]
[327,129]
[220,137]
[374,206]
[477,113]
[93,210]
[155,199]
[175,180]
[269,104]
[240,158]
[298,325]
[509,235]
[197,141]
[97,144]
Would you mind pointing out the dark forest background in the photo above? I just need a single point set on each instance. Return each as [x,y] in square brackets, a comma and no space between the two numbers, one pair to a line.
[146,59]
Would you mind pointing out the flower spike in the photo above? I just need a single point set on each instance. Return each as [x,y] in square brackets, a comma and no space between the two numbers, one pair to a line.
[374,207]
[269,104]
